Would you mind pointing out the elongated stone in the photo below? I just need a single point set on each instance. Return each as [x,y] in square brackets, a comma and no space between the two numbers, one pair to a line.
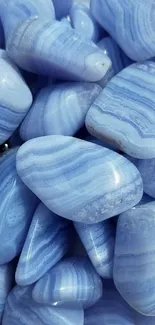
[62,7]
[47,242]
[22,310]
[79,180]
[17,205]
[72,282]
[59,109]
[134,260]
[128,22]
[52,48]
[99,240]
[6,283]
[124,111]
[15,97]
[84,23]
[110,309]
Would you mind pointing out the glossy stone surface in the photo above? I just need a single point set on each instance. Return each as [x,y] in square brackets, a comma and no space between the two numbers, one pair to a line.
[47,242]
[102,143]
[72,282]
[22,310]
[134,260]
[17,205]
[53,48]
[147,171]
[99,240]
[62,7]
[84,23]
[77,179]
[116,55]
[59,109]
[130,23]
[6,282]
[124,111]
[15,97]
[111,309]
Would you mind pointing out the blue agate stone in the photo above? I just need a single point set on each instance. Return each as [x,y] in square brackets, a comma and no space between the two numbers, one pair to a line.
[134,260]
[17,205]
[99,240]
[124,112]
[15,97]
[49,47]
[77,179]
[62,7]
[84,23]
[72,282]
[116,55]
[111,309]
[6,283]
[22,310]
[102,143]
[59,109]
[47,242]
[130,23]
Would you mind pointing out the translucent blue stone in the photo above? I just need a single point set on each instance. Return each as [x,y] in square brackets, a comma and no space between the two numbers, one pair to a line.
[77,179]
[84,23]
[62,7]
[124,112]
[59,109]
[111,309]
[48,240]
[6,283]
[130,23]
[22,310]
[17,205]
[72,282]
[99,240]
[15,97]
[134,260]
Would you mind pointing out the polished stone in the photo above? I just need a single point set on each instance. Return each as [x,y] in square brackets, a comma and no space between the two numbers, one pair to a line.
[84,23]
[134,260]
[99,241]
[116,55]
[6,283]
[15,97]
[62,7]
[59,109]
[124,112]
[77,179]
[22,310]
[130,23]
[48,240]
[50,47]
[102,143]
[111,309]
[72,282]
[17,205]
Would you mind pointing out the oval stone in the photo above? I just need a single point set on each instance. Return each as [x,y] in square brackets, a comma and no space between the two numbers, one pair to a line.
[77,179]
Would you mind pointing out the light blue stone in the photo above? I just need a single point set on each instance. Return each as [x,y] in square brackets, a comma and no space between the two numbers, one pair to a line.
[84,23]
[22,310]
[72,282]
[15,97]
[99,240]
[102,143]
[48,240]
[66,21]
[17,205]
[77,179]
[130,23]
[49,47]
[124,112]
[111,309]
[134,260]
[6,283]
[116,55]
[62,7]
[59,109]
